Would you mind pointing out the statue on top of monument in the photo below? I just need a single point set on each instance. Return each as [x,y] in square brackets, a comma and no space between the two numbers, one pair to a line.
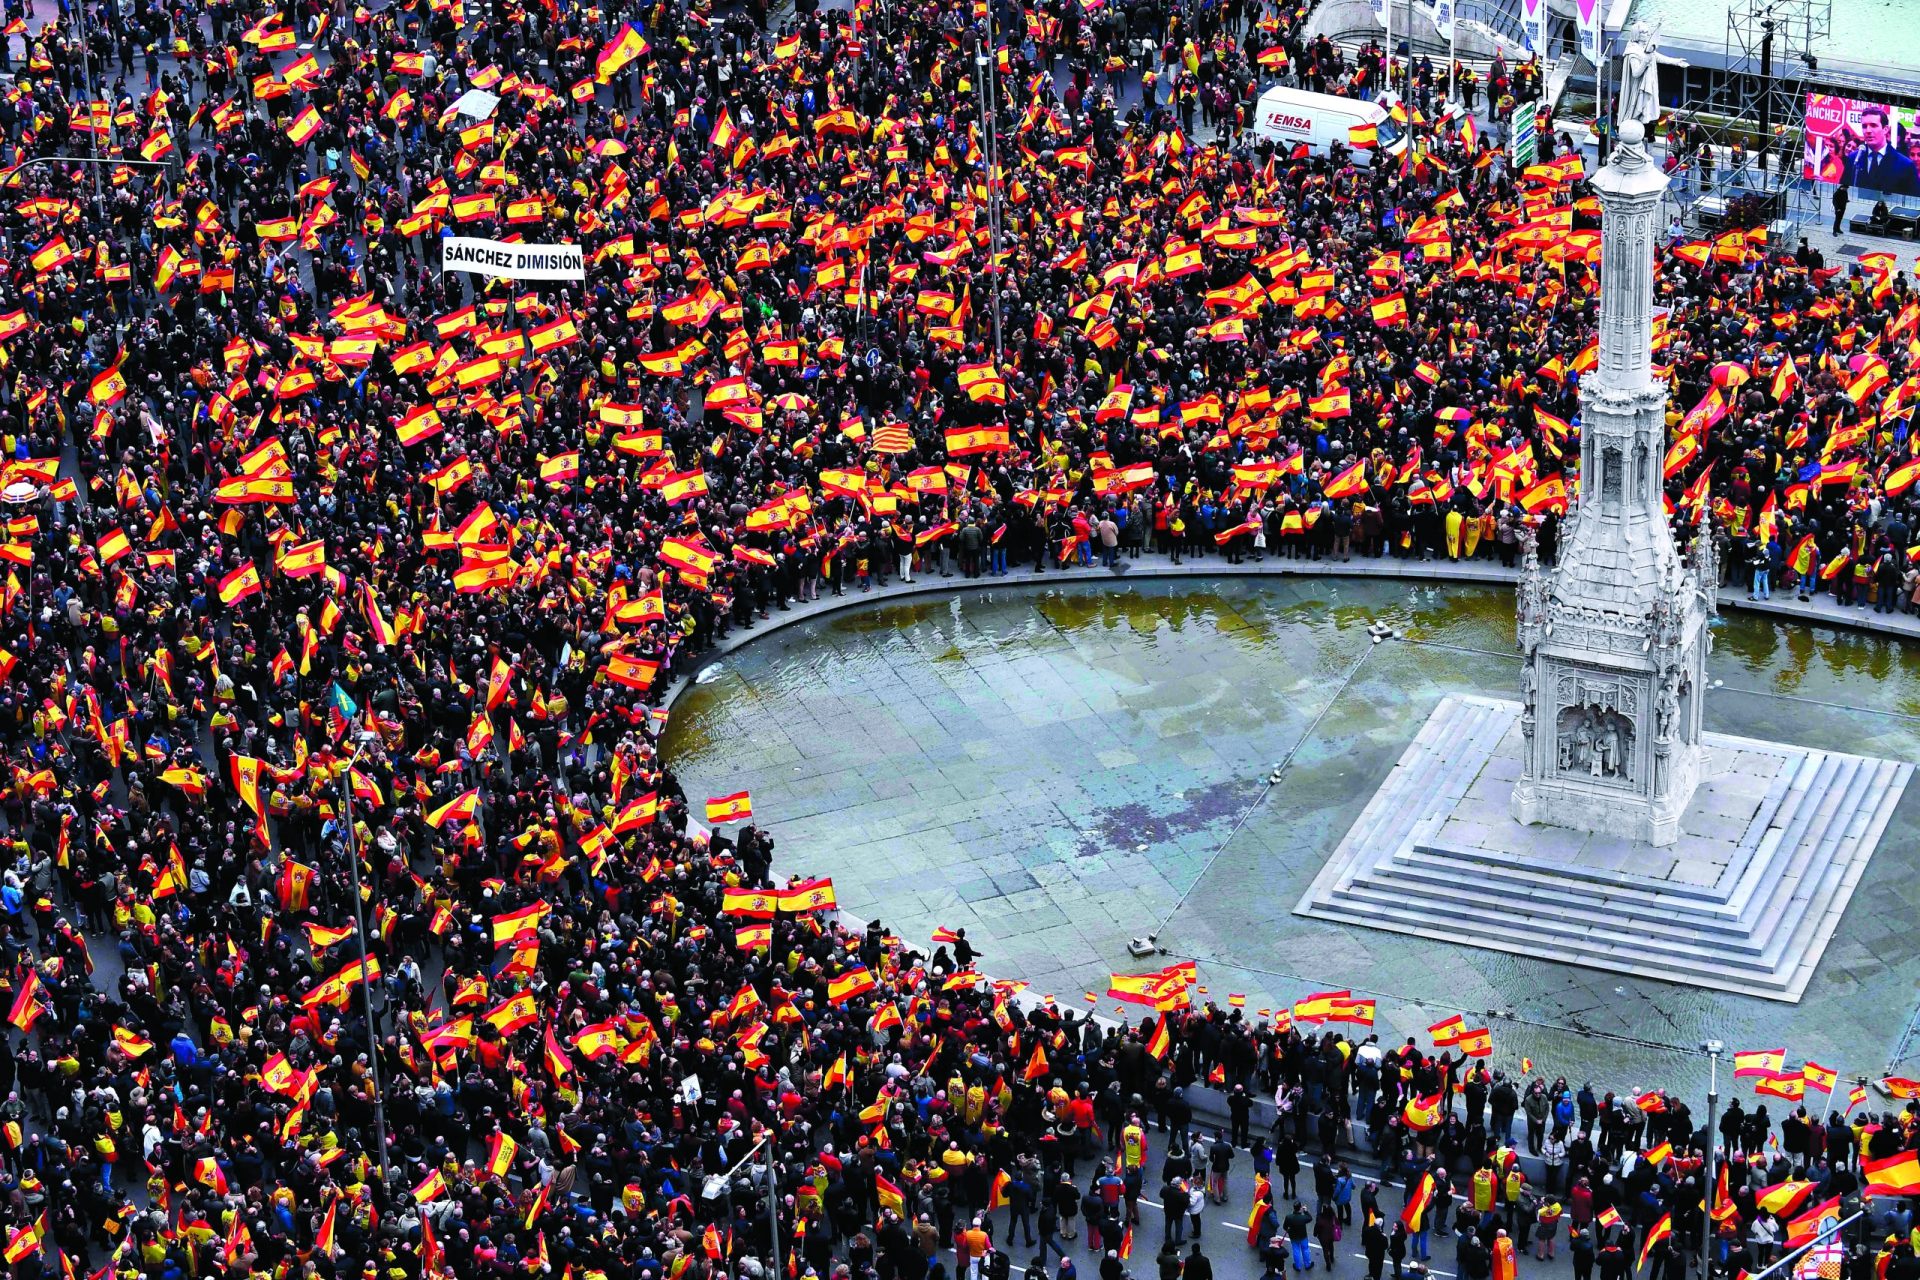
[1640,78]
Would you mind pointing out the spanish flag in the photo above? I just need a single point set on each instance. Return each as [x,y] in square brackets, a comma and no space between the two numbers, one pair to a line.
[1160,1042]
[1759,1062]
[1414,1214]
[134,1046]
[511,1015]
[890,1196]
[460,808]
[1421,1114]
[1363,136]
[500,1155]
[514,925]
[240,584]
[737,807]
[966,441]
[108,388]
[846,986]
[752,904]
[301,129]
[561,468]
[54,253]
[1549,493]
[1350,483]
[632,673]
[1658,1232]
[808,895]
[1390,311]
[618,53]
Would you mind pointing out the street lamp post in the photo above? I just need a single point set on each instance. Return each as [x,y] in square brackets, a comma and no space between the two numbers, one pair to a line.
[1714,1049]
[366,987]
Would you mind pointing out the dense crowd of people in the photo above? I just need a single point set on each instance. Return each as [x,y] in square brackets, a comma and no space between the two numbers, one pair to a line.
[339,591]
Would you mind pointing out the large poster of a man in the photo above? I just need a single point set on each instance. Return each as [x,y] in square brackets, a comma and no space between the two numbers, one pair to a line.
[1861,144]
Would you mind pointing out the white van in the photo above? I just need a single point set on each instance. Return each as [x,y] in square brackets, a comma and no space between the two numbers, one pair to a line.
[1287,117]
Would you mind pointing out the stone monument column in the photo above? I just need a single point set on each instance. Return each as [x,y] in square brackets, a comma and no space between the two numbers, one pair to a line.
[1615,634]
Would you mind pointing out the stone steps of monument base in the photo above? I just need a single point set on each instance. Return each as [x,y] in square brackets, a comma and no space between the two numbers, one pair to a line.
[1850,828]
[1804,833]
[1786,987]
[1478,913]
[1816,919]
[1425,770]
[1801,901]
[1513,929]
[1811,774]
[1551,890]
[1824,834]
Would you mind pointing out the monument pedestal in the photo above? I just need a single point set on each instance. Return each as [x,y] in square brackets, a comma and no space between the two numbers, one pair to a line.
[1745,897]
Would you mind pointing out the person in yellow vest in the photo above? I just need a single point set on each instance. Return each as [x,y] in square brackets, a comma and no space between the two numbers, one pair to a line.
[1482,1190]
[1516,1182]
[1133,1144]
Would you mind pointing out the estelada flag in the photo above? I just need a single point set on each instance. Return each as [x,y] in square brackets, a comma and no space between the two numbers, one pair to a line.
[737,807]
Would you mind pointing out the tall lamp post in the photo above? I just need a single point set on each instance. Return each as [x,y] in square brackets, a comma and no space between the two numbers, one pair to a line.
[1713,1050]
[364,740]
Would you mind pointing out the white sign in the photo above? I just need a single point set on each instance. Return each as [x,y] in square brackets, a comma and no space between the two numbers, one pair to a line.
[477,103]
[504,261]
[1587,19]
[1533,25]
[1443,18]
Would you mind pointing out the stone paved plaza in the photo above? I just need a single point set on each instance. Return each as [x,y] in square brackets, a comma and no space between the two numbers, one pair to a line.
[1056,770]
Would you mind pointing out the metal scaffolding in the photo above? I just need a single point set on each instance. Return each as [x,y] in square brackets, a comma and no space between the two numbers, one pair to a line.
[1752,109]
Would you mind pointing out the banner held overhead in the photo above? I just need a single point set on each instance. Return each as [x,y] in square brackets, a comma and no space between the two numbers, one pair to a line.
[505,261]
